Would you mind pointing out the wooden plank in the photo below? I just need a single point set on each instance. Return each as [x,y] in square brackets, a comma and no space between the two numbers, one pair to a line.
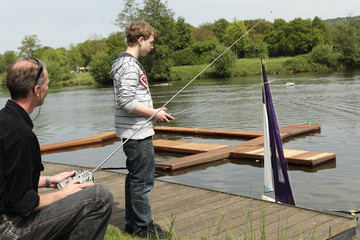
[300,157]
[96,139]
[206,131]
[185,147]
[299,129]
[194,160]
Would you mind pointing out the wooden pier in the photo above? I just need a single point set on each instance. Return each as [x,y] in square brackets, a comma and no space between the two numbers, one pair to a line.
[201,153]
[204,214]
[251,149]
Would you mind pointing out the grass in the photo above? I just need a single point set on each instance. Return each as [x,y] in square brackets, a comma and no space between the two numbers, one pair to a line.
[243,67]
[252,66]
[77,79]
[114,233]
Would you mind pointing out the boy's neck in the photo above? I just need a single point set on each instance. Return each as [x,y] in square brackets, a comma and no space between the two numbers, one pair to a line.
[133,50]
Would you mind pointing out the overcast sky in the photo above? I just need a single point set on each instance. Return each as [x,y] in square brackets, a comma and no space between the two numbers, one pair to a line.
[57,23]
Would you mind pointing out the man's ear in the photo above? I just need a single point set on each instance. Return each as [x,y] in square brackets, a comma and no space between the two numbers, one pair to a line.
[37,90]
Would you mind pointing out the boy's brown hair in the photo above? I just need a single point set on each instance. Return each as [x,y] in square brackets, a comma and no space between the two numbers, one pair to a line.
[139,29]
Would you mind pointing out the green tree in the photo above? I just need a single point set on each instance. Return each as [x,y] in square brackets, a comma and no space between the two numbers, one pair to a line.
[160,59]
[296,37]
[29,45]
[183,31]
[7,58]
[203,51]
[100,66]
[347,41]
[91,47]
[56,64]
[203,34]
[185,56]
[319,24]
[262,28]
[73,57]
[256,49]
[128,14]
[218,28]
[205,42]
[115,43]
[225,63]
[303,36]
[232,33]
[183,51]
[276,39]
[254,45]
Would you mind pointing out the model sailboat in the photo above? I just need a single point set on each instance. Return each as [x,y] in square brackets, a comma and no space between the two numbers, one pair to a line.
[275,171]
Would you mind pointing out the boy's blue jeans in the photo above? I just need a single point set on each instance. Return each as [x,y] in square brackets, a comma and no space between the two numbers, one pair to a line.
[82,215]
[140,163]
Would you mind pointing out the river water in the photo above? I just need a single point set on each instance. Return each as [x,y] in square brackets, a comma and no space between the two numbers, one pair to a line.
[331,100]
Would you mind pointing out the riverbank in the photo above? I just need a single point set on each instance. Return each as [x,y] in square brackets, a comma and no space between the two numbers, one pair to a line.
[243,67]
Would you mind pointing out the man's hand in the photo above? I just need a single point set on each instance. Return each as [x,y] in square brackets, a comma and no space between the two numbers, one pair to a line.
[73,187]
[58,178]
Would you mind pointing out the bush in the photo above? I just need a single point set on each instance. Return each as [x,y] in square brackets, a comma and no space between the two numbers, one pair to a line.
[100,67]
[57,72]
[3,79]
[184,57]
[324,54]
[305,63]
[225,63]
[257,50]
[299,63]
[203,51]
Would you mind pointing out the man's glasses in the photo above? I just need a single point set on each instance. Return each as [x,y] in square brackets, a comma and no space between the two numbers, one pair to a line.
[39,71]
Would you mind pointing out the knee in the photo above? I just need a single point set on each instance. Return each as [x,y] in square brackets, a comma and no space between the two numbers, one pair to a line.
[105,194]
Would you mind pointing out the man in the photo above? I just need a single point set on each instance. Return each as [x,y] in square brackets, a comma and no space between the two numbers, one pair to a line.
[78,211]
[133,107]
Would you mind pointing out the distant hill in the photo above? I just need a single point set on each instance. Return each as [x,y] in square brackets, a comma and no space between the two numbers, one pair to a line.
[331,22]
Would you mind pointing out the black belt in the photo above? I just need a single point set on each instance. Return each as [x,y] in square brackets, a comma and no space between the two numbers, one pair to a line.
[150,137]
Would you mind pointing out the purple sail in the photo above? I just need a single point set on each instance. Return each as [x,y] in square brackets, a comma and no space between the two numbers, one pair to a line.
[282,186]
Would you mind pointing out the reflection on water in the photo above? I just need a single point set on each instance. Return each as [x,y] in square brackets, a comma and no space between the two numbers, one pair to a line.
[331,100]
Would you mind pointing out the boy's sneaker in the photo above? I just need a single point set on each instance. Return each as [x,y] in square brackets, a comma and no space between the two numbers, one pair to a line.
[128,229]
[152,231]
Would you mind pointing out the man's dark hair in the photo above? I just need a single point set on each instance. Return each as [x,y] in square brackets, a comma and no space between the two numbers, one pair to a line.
[21,79]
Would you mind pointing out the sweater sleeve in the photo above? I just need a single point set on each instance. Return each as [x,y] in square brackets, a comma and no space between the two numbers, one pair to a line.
[126,80]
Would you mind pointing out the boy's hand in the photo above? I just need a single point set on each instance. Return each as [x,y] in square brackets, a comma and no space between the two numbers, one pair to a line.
[163,117]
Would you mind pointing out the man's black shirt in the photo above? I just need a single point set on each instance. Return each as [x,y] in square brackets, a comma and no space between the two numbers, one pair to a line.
[20,162]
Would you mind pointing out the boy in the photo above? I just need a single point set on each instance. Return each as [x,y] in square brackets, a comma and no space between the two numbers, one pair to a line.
[133,107]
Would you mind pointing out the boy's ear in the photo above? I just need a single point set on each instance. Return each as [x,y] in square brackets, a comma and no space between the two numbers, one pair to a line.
[140,40]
